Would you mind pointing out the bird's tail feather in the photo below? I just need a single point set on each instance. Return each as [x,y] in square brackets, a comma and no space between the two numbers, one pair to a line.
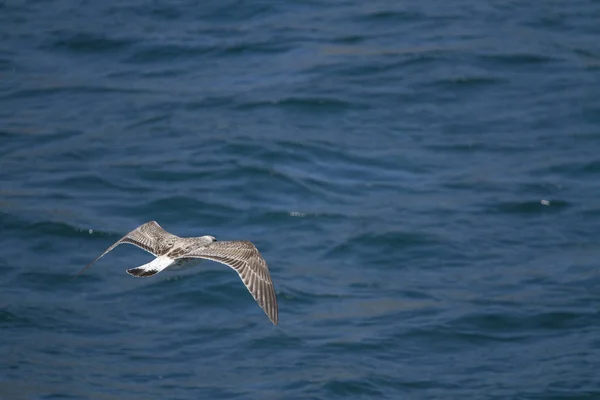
[152,268]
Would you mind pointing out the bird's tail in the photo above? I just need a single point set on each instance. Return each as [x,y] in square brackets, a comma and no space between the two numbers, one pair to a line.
[152,268]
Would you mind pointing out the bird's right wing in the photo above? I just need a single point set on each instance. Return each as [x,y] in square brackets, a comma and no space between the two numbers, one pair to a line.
[149,236]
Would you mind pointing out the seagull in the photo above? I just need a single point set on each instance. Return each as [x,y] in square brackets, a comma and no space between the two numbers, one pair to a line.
[179,252]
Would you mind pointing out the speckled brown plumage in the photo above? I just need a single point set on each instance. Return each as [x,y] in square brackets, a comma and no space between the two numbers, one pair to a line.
[172,250]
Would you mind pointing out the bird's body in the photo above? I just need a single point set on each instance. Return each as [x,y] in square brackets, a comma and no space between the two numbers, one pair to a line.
[175,252]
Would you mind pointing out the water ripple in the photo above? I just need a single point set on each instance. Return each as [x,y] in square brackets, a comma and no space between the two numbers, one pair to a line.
[421,180]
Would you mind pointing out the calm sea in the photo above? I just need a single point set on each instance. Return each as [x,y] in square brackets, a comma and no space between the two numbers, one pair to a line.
[423,179]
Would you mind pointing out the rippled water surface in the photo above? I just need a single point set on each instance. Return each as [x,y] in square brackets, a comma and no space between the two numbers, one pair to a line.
[423,179]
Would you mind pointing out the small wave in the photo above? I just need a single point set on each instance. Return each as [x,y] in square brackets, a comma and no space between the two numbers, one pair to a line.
[165,53]
[7,65]
[530,207]
[307,104]
[382,242]
[509,325]
[85,42]
[10,319]
[351,388]
[516,59]
[574,168]
[40,228]
[184,203]
[396,16]
[62,88]
[260,47]
[466,82]
[46,280]
[91,182]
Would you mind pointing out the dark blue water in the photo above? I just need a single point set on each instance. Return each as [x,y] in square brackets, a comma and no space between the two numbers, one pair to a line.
[423,179]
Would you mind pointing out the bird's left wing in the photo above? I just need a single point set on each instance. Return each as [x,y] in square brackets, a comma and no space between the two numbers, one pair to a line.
[245,259]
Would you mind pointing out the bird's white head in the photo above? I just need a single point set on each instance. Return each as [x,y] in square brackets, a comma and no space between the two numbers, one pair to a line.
[209,238]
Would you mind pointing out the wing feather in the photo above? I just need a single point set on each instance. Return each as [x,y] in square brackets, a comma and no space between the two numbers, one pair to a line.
[149,236]
[245,259]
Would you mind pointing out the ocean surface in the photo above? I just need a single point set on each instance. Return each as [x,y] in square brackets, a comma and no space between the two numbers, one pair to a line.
[423,179]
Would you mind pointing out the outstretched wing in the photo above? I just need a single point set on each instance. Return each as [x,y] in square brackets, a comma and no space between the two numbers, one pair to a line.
[245,259]
[149,236]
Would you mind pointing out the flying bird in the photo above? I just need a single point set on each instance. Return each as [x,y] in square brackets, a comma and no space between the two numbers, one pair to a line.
[172,251]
